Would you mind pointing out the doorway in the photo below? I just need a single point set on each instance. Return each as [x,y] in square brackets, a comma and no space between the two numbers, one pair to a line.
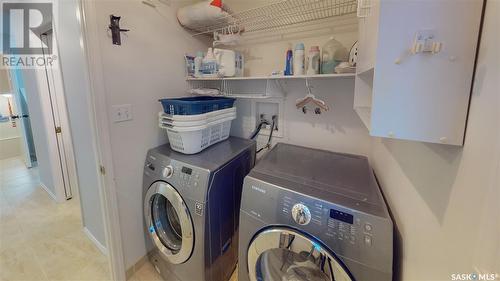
[49,228]
[16,138]
[40,238]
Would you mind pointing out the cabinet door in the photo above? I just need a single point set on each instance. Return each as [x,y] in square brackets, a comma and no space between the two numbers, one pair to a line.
[424,96]
[368,31]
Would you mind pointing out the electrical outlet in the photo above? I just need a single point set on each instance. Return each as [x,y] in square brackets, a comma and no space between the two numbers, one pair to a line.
[122,112]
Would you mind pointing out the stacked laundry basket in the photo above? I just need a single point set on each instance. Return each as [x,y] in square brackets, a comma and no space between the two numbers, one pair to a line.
[195,123]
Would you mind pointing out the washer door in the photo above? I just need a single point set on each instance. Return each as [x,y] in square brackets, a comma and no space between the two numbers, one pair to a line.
[282,254]
[169,222]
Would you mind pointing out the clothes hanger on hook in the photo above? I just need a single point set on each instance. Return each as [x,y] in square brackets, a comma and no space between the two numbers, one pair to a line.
[310,98]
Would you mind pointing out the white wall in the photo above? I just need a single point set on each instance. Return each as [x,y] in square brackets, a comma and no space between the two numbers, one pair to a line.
[4,79]
[76,91]
[147,66]
[445,199]
[338,129]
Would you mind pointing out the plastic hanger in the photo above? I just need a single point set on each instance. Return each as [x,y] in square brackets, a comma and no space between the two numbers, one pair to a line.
[310,98]
[229,36]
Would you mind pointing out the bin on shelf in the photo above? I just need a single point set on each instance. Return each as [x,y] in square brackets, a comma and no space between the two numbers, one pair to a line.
[196,120]
[193,139]
[195,105]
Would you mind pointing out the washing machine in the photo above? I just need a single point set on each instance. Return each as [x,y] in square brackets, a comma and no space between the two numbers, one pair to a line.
[309,214]
[191,209]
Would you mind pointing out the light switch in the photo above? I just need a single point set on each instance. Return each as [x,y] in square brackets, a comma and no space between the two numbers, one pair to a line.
[122,112]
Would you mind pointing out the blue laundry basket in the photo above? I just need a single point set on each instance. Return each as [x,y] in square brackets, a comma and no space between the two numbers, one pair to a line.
[195,105]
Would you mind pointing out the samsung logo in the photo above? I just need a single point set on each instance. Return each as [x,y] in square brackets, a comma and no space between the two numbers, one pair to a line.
[261,190]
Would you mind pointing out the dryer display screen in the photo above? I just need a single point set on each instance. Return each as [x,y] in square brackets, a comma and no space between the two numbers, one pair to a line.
[186,170]
[341,216]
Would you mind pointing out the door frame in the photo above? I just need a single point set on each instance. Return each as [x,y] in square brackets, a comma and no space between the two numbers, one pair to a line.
[98,110]
[62,158]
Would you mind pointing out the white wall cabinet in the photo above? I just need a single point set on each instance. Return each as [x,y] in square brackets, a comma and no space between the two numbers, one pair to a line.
[422,96]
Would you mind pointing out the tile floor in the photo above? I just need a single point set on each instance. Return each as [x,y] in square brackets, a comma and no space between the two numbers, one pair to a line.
[39,238]
[43,240]
[148,273]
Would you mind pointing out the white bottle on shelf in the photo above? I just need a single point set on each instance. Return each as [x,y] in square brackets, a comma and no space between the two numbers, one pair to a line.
[198,65]
[298,59]
[209,64]
[313,65]
[226,59]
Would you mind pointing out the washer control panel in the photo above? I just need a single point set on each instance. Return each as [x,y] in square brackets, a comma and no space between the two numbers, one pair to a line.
[191,180]
[186,176]
[334,222]
[177,172]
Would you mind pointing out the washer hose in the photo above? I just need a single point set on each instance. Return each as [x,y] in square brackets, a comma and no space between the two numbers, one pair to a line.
[259,127]
[268,144]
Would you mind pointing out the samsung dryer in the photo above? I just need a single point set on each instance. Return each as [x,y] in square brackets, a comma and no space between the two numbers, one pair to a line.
[191,209]
[308,214]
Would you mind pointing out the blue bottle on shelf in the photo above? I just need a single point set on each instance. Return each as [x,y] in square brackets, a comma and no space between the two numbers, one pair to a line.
[289,62]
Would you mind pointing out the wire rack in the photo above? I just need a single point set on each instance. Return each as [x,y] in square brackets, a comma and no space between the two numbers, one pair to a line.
[282,14]
[253,89]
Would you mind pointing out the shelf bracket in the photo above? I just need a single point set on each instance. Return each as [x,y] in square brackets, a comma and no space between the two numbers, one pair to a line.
[281,87]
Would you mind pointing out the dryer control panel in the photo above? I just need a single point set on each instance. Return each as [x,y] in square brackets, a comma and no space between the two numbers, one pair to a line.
[336,222]
[347,232]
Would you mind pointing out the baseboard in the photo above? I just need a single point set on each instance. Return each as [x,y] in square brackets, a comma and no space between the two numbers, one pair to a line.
[96,242]
[49,191]
[135,267]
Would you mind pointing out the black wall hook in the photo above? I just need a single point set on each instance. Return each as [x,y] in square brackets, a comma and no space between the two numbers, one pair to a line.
[114,26]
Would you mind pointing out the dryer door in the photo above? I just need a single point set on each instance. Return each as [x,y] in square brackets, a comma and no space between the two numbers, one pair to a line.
[169,222]
[279,254]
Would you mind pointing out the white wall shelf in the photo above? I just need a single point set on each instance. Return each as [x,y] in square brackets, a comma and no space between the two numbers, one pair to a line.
[275,77]
[256,87]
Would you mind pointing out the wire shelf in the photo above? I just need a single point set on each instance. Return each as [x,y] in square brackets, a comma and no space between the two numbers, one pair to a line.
[282,14]
[251,89]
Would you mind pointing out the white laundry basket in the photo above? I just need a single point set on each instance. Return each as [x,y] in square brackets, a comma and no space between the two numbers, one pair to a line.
[195,120]
[193,139]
